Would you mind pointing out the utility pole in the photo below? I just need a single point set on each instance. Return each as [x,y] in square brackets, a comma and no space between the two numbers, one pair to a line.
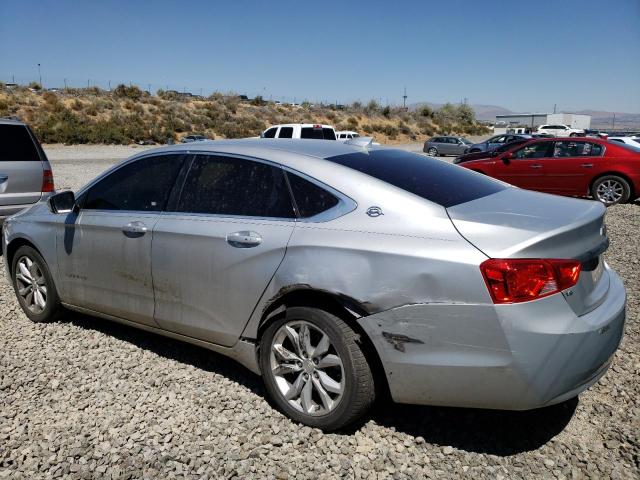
[404,98]
[554,108]
[40,76]
[109,85]
[613,126]
[65,83]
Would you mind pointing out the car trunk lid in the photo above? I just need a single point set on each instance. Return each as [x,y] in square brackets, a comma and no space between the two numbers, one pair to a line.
[515,223]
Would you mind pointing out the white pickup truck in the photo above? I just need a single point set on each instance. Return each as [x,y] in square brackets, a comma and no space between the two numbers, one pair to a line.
[300,130]
[560,130]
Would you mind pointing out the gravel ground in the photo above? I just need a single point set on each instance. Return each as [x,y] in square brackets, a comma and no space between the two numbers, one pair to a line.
[86,398]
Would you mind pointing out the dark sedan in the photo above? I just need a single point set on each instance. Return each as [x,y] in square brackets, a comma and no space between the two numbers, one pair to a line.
[496,141]
[491,153]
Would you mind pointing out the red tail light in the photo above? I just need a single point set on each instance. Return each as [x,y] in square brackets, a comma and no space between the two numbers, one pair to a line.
[521,280]
[47,181]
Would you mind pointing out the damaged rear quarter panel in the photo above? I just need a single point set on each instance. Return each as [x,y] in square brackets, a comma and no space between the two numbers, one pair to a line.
[378,270]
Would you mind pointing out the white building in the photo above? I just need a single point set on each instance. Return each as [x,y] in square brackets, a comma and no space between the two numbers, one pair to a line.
[531,121]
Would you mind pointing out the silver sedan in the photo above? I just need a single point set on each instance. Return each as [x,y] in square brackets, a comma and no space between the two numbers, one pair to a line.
[335,271]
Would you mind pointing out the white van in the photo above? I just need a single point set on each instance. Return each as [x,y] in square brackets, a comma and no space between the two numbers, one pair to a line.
[300,130]
[345,135]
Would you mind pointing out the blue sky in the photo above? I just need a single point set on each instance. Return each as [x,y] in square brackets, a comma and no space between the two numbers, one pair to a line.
[525,56]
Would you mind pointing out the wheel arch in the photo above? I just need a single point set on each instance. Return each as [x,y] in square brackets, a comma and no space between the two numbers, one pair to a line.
[13,247]
[343,307]
[632,190]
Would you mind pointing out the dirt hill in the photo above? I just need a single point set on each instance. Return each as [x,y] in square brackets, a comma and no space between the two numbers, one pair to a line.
[130,115]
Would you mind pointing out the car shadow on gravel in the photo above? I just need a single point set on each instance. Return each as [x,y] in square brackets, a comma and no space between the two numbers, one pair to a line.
[495,432]
[171,349]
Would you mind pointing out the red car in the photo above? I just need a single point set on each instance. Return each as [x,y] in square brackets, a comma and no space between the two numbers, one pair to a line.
[610,172]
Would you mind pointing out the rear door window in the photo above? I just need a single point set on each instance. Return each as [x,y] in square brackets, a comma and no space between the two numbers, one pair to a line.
[236,187]
[16,144]
[312,133]
[285,132]
[142,185]
[309,197]
[434,180]
[569,148]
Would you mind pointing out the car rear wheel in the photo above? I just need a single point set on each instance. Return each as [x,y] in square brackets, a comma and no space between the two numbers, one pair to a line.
[433,152]
[314,369]
[34,285]
[611,189]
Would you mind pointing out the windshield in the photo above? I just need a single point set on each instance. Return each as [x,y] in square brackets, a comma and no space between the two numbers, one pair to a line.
[434,180]
[465,141]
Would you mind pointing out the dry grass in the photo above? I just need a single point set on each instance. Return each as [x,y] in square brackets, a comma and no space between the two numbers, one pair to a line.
[129,115]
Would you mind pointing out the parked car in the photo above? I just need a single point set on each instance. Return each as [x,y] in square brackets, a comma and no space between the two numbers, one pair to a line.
[193,138]
[345,135]
[491,153]
[632,141]
[301,130]
[560,130]
[496,141]
[608,171]
[446,145]
[25,173]
[335,271]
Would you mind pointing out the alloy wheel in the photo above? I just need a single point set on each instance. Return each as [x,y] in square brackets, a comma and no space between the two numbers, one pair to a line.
[307,368]
[610,191]
[432,152]
[32,285]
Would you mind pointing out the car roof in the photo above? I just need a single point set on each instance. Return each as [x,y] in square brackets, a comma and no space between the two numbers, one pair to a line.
[309,147]
[10,121]
[300,124]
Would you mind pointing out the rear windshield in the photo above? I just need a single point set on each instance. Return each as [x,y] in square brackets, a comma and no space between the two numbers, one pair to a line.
[16,145]
[434,180]
[318,133]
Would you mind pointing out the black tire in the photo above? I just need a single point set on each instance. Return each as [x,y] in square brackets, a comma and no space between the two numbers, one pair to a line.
[620,188]
[359,386]
[433,152]
[52,306]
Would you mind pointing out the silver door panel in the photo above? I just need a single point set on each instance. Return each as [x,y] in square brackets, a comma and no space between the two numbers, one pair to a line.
[210,271]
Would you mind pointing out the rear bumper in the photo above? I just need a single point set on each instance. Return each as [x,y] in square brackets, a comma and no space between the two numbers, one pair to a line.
[512,357]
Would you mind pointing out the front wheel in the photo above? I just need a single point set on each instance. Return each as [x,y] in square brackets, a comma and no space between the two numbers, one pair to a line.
[611,189]
[314,369]
[34,285]
[432,152]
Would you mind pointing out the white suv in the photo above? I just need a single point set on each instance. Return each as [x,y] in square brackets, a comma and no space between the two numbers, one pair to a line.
[300,130]
[560,130]
[345,135]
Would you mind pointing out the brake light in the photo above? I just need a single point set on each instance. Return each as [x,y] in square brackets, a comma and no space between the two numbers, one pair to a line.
[521,280]
[316,127]
[47,181]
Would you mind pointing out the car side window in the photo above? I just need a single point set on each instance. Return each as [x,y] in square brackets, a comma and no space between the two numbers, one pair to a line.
[576,149]
[271,133]
[233,186]
[16,144]
[309,197]
[142,185]
[535,150]
[286,132]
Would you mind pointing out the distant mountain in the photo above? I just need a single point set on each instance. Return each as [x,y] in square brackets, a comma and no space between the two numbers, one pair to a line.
[599,119]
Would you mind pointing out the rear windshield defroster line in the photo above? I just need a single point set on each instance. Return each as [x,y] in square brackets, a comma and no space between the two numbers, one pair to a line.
[434,180]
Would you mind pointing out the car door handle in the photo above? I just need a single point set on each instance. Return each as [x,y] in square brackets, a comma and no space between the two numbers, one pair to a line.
[244,239]
[536,166]
[134,229]
[586,165]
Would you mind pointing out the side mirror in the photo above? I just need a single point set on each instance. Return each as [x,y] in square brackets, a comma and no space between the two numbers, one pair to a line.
[507,158]
[63,202]
[495,153]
